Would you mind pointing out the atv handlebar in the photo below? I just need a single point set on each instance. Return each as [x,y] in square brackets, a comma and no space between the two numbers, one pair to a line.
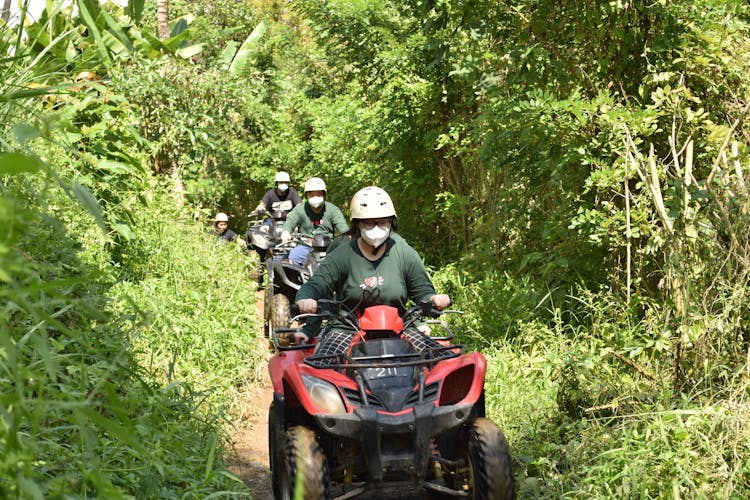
[332,309]
[328,309]
[426,309]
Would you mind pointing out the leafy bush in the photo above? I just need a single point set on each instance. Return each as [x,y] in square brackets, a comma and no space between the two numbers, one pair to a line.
[640,442]
[82,416]
[496,307]
[195,307]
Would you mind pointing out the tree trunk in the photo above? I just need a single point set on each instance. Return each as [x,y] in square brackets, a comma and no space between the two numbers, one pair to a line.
[6,11]
[162,18]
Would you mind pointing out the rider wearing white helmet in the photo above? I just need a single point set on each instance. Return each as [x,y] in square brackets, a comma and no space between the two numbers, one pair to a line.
[314,217]
[221,227]
[281,197]
[377,262]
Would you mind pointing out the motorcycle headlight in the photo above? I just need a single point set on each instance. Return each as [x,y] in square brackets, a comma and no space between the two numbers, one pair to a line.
[324,394]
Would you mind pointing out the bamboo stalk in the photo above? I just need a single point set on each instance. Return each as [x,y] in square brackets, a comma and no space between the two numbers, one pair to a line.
[655,187]
[673,147]
[687,180]
[628,231]
[736,124]
[737,166]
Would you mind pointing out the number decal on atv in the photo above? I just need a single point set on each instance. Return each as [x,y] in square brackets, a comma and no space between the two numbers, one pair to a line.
[381,372]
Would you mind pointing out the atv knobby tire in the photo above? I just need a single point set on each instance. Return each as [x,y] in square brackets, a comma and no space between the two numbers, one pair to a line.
[279,317]
[276,448]
[280,311]
[489,475]
[304,466]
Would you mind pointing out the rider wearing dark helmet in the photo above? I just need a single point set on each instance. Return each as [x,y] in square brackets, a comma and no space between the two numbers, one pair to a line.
[281,198]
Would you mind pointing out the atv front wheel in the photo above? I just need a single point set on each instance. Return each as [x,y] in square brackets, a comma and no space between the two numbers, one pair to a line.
[305,467]
[276,446]
[487,473]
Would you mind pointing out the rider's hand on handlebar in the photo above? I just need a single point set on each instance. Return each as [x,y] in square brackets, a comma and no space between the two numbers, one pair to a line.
[425,329]
[307,306]
[301,338]
[440,301]
[286,237]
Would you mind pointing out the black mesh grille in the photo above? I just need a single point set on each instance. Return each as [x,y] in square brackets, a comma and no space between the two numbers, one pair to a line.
[430,394]
[353,397]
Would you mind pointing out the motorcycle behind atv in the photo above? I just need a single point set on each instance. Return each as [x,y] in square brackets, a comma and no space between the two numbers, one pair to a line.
[286,277]
[383,417]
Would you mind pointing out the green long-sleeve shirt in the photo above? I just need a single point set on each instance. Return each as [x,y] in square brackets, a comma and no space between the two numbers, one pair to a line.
[397,276]
[329,221]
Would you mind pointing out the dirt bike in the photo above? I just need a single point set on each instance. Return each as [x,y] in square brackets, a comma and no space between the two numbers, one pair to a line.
[382,415]
[286,277]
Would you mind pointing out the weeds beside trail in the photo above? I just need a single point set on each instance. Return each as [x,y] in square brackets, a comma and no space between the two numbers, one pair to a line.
[120,380]
[588,415]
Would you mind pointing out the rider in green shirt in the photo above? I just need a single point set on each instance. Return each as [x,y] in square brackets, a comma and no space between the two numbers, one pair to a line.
[377,263]
[315,216]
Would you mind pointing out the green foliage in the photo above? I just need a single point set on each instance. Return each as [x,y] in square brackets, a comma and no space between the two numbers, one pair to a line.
[205,308]
[189,125]
[634,443]
[86,411]
[496,307]
[81,416]
[577,170]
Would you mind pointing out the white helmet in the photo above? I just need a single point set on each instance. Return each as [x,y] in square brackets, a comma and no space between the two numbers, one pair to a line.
[371,202]
[221,217]
[282,177]
[315,184]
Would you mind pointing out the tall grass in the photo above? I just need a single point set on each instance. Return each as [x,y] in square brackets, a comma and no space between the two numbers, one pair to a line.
[92,403]
[195,309]
[589,410]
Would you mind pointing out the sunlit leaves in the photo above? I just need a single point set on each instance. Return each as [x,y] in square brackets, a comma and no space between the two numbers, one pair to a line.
[89,10]
[134,9]
[14,163]
[240,58]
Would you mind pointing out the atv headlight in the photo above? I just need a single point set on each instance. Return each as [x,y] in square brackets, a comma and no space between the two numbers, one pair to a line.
[324,394]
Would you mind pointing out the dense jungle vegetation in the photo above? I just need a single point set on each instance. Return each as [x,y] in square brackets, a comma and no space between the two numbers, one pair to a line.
[575,173]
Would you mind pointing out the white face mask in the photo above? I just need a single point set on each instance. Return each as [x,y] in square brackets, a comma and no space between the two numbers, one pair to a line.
[375,236]
[282,187]
[315,201]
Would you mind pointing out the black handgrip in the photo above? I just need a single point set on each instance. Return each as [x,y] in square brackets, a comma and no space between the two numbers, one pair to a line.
[329,307]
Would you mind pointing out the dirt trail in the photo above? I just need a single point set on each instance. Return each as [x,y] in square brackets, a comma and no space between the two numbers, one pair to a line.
[249,459]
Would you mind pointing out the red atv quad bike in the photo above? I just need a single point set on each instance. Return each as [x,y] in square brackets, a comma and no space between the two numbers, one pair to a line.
[383,417]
